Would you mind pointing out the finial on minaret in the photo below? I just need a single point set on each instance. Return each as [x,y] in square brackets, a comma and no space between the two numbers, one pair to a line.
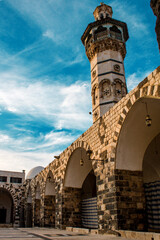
[102,11]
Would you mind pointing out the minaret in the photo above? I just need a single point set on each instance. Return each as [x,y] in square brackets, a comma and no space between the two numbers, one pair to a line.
[104,41]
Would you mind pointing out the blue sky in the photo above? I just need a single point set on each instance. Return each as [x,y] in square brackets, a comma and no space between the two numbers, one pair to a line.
[45,75]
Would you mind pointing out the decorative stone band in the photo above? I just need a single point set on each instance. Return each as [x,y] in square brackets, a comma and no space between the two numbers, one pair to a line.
[105,44]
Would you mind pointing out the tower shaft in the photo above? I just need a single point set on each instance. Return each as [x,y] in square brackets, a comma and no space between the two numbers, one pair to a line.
[104,41]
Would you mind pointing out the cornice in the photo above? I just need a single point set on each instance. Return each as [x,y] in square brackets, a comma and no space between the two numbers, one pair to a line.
[103,21]
[105,44]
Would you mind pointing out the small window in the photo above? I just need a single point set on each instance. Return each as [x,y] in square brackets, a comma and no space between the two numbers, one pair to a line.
[15,180]
[101,16]
[3,179]
[100,29]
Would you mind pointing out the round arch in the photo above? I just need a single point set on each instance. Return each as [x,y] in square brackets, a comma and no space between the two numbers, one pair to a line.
[50,185]
[80,189]
[135,136]
[77,168]
[6,206]
[37,191]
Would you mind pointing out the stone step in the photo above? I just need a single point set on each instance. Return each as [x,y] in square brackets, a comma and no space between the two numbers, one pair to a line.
[5,225]
[82,230]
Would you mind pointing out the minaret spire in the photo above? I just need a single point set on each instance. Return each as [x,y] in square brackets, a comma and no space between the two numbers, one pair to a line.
[104,41]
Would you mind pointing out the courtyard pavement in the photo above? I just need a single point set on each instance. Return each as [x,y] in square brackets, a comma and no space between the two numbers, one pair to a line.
[48,234]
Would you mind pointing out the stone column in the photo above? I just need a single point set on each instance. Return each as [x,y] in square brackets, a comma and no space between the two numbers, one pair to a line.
[130,200]
[71,207]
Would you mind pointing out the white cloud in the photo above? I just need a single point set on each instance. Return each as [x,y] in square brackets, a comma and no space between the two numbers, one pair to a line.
[135,78]
[53,36]
[28,152]
[128,12]
[50,102]
[17,161]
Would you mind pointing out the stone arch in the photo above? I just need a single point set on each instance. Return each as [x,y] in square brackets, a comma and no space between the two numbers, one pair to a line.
[131,139]
[72,148]
[100,32]
[29,204]
[76,171]
[94,93]
[89,37]
[50,184]
[118,88]
[12,193]
[79,188]
[151,179]
[7,206]
[105,88]
[115,32]
[49,194]
[135,107]
[38,190]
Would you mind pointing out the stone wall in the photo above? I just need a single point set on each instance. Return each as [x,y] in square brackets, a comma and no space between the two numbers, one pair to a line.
[49,211]
[130,200]
[71,207]
[17,194]
[37,213]
[116,189]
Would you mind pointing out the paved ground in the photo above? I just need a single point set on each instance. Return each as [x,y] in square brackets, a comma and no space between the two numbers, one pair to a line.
[48,234]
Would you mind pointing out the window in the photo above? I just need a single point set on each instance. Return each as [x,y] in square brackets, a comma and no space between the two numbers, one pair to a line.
[100,29]
[115,33]
[100,32]
[3,179]
[15,180]
[95,94]
[101,16]
[105,88]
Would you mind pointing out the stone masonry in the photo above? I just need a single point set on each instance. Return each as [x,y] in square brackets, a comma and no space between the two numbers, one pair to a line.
[120,193]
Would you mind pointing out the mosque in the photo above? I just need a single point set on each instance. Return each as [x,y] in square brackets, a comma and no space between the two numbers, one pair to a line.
[107,180]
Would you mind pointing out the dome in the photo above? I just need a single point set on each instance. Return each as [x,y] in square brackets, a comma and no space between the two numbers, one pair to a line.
[34,171]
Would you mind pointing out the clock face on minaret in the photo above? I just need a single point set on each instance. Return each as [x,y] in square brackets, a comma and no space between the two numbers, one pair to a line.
[104,42]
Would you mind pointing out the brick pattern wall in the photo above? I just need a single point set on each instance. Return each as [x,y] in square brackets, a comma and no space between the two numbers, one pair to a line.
[37,213]
[17,194]
[71,206]
[102,138]
[130,200]
[49,211]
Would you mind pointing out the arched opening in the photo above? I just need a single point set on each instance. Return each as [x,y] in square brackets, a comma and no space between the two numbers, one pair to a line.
[133,150]
[89,202]
[37,206]
[115,33]
[100,33]
[95,94]
[105,88]
[49,201]
[29,209]
[101,16]
[151,176]
[80,194]
[6,207]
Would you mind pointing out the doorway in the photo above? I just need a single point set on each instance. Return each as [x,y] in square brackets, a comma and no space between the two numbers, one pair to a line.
[3,214]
